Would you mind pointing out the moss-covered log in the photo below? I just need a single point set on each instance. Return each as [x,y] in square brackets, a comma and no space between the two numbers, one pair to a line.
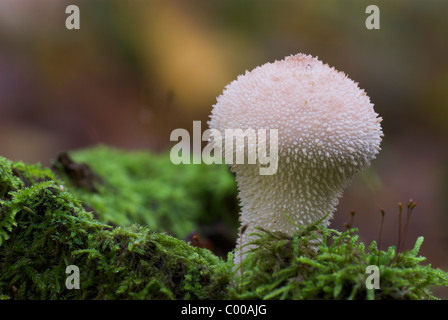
[44,229]
[108,212]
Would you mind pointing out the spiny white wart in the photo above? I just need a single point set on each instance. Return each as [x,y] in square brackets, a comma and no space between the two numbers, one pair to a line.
[328,132]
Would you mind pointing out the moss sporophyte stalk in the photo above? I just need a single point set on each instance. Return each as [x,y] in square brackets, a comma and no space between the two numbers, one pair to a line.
[123,249]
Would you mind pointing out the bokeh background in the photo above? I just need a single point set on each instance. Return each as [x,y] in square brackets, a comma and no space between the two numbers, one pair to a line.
[136,70]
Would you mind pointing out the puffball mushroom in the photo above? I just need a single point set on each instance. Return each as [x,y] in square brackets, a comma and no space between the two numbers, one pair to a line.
[328,131]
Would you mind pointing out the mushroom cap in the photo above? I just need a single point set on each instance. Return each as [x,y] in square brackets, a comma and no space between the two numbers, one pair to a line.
[323,118]
[327,132]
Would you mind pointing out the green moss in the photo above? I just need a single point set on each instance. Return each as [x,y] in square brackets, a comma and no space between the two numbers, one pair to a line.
[322,263]
[44,228]
[140,187]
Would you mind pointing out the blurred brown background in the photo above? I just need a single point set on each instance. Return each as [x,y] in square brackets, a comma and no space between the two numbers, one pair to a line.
[136,70]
